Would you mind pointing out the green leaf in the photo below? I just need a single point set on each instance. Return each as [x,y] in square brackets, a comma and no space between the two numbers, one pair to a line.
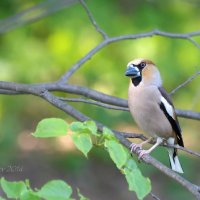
[91,125]
[81,196]
[77,127]
[29,195]
[130,164]
[117,152]
[51,127]
[13,189]
[54,190]
[83,142]
[136,181]
[108,134]
[84,127]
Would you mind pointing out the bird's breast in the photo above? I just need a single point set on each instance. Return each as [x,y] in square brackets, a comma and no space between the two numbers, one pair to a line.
[144,106]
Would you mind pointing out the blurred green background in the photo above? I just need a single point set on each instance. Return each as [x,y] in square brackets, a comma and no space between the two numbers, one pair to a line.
[42,51]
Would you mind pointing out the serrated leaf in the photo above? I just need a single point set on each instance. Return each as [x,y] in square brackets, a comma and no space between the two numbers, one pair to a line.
[91,125]
[117,152]
[13,189]
[54,190]
[136,181]
[83,142]
[51,127]
[108,134]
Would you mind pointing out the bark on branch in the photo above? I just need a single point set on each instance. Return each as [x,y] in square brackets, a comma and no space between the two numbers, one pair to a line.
[45,91]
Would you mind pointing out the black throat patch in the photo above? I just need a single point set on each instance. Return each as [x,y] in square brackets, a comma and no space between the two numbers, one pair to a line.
[136,81]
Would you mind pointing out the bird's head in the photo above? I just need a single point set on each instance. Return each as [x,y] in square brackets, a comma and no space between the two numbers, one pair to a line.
[143,71]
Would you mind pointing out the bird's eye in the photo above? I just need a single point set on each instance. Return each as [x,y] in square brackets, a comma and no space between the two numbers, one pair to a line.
[142,64]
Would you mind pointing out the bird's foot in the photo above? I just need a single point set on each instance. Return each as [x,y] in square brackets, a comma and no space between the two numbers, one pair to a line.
[134,146]
[143,153]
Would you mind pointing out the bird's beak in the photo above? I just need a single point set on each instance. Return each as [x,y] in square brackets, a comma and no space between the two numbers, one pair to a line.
[132,71]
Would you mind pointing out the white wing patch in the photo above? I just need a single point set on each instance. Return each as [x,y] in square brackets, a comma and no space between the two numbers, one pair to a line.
[168,107]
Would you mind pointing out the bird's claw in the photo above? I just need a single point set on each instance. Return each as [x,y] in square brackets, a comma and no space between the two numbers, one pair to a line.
[142,153]
[134,146]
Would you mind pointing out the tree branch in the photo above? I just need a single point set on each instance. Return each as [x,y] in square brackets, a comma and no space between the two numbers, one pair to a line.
[185,82]
[194,42]
[33,14]
[11,88]
[154,196]
[142,137]
[94,103]
[110,40]
[41,89]
[93,21]
[194,189]
[44,90]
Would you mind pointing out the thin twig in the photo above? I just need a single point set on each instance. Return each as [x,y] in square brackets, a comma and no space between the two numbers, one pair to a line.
[107,99]
[134,135]
[93,21]
[154,196]
[143,137]
[93,103]
[194,42]
[33,14]
[194,189]
[63,106]
[181,113]
[43,91]
[107,41]
[17,88]
[185,82]
[188,114]
[184,149]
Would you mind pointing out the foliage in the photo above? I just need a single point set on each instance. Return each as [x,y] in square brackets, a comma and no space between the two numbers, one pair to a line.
[50,128]
[82,138]
[52,190]
[43,50]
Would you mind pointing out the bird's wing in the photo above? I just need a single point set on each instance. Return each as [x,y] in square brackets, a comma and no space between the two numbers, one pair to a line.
[167,107]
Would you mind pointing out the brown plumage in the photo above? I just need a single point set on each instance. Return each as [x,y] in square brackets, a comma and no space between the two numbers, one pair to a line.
[152,108]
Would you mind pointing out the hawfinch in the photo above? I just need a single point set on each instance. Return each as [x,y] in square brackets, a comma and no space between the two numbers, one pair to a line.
[152,109]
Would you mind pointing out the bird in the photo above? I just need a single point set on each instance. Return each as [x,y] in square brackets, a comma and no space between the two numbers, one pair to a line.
[152,109]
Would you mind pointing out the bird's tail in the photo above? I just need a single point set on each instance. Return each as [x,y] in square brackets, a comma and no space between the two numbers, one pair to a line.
[174,161]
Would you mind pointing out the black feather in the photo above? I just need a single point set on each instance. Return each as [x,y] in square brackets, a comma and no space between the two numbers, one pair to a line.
[174,124]
[136,81]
